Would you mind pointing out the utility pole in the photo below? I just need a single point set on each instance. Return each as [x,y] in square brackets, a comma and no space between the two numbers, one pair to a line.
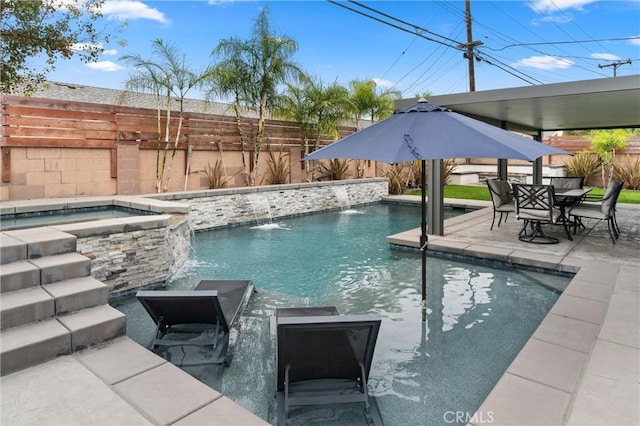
[469,45]
[615,65]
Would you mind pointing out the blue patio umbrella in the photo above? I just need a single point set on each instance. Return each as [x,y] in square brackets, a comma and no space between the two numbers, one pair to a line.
[429,132]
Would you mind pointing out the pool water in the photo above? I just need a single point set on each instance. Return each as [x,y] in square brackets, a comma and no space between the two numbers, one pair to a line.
[478,319]
[64,216]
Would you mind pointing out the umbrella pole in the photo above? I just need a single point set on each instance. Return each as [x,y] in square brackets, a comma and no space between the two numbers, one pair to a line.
[424,240]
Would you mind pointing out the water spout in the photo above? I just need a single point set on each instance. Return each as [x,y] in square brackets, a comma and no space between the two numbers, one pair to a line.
[260,206]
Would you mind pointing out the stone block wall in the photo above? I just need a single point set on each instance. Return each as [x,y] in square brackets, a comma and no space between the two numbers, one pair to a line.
[127,256]
[225,207]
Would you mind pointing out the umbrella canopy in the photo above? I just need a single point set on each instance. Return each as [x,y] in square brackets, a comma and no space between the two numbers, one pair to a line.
[429,132]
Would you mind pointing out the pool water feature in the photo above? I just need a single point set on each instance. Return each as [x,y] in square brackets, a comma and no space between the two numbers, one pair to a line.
[423,373]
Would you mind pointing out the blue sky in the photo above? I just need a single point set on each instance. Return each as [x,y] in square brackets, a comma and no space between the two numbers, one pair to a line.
[524,42]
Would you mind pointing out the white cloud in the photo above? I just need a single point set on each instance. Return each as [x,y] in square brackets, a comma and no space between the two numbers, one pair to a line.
[605,56]
[110,52]
[132,9]
[556,5]
[543,63]
[83,47]
[107,66]
[382,83]
[635,41]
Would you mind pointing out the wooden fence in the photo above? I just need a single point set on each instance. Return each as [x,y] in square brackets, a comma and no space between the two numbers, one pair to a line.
[53,148]
[57,148]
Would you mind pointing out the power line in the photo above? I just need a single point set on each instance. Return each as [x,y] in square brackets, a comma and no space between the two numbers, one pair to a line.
[562,42]
[414,32]
[416,27]
[418,31]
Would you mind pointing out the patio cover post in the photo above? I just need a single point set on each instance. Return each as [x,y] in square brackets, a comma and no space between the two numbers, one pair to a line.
[537,164]
[502,168]
[435,204]
[502,164]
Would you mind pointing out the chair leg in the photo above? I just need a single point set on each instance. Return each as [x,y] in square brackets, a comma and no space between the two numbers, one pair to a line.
[537,236]
[612,230]
[615,223]
[505,215]
[493,220]
[566,228]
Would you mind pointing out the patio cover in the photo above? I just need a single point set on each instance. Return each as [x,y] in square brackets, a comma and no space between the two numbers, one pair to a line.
[578,105]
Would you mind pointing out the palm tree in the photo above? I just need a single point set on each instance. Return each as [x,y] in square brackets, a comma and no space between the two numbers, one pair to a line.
[368,104]
[263,63]
[231,78]
[166,74]
[316,108]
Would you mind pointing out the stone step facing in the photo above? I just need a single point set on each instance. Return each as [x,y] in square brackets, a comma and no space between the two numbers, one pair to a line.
[39,303]
[37,342]
[50,304]
[34,243]
[18,275]
[62,267]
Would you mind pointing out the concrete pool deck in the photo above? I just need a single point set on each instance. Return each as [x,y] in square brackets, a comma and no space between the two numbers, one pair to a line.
[581,366]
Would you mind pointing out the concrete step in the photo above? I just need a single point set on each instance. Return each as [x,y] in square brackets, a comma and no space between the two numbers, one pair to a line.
[62,267]
[18,275]
[94,325]
[25,306]
[39,242]
[77,293]
[31,344]
[11,249]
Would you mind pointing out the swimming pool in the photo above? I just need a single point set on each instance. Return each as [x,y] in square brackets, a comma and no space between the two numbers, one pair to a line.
[479,317]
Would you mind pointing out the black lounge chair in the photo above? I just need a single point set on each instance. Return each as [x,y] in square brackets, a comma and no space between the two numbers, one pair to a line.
[189,321]
[324,358]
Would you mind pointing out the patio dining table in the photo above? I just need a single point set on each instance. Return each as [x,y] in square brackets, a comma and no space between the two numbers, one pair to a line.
[565,198]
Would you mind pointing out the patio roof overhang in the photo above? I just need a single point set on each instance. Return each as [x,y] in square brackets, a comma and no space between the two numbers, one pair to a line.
[578,105]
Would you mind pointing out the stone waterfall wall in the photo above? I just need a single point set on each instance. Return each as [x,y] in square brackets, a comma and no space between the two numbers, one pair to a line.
[129,253]
[224,207]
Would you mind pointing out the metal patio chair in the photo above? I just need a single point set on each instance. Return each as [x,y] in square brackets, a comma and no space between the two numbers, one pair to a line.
[535,206]
[502,199]
[604,210]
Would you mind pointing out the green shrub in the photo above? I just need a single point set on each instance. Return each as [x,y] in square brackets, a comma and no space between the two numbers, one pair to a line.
[629,173]
[585,164]
[278,169]
[415,174]
[415,171]
[335,169]
[448,167]
[215,175]
[397,179]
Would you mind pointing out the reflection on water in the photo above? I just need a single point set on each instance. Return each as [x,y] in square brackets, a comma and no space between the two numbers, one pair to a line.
[478,317]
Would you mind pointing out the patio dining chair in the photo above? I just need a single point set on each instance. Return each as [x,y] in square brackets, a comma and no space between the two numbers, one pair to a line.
[567,182]
[535,206]
[604,210]
[502,199]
